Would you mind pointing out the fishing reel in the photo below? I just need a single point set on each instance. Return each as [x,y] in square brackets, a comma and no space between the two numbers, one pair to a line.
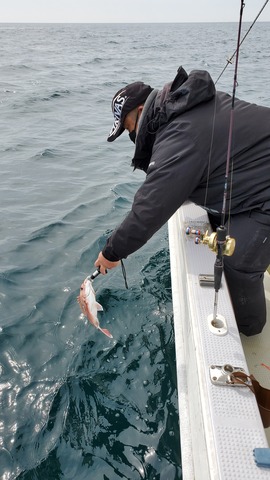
[212,242]
[228,245]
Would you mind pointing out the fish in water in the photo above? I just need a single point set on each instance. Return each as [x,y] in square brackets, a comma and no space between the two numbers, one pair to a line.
[89,305]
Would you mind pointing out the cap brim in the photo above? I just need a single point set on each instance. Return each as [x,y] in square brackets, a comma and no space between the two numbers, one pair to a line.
[115,133]
[124,101]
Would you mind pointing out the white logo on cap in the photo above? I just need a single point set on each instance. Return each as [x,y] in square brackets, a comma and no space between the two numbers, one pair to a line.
[118,104]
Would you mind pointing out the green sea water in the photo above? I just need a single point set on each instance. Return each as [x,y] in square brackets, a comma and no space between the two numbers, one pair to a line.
[75,404]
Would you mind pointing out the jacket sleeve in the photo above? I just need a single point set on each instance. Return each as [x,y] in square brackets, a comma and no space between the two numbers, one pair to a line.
[174,172]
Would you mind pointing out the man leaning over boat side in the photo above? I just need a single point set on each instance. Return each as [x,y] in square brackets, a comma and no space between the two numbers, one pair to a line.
[181,140]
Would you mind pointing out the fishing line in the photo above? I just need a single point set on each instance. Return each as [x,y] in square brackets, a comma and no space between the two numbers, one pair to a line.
[124,273]
[210,151]
[229,60]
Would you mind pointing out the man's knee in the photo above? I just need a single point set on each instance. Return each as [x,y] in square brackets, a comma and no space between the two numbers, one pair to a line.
[253,328]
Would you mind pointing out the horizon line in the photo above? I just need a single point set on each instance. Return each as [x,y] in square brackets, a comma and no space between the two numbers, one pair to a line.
[124,22]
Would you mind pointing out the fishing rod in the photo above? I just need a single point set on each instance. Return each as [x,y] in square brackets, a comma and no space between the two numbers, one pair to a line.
[229,60]
[221,236]
[97,272]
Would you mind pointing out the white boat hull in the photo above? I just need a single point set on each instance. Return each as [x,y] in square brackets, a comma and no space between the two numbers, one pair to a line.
[219,425]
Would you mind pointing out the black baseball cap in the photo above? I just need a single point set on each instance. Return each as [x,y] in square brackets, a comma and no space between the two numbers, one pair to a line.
[123,102]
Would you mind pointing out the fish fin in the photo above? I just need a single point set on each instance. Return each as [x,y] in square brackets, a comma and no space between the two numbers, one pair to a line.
[106,332]
[99,307]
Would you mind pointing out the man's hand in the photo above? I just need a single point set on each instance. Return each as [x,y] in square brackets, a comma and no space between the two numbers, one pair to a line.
[103,264]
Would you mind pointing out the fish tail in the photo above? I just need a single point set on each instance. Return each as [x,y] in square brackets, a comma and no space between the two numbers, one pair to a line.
[106,332]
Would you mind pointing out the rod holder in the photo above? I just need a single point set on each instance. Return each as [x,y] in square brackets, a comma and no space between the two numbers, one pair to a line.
[217,326]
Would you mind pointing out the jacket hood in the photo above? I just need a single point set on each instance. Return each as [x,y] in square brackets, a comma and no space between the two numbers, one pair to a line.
[184,93]
[177,97]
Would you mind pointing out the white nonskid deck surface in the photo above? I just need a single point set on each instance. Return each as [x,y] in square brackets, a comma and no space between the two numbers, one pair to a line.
[219,426]
[257,350]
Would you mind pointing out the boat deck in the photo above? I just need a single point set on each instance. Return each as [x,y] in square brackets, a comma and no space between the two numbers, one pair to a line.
[220,425]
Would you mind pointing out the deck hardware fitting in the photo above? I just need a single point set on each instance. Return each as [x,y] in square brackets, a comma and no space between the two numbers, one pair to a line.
[222,375]
[211,240]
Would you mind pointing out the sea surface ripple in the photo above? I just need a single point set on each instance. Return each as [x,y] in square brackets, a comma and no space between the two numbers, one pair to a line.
[75,404]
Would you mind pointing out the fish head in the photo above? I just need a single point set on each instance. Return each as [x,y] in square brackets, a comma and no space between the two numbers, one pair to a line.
[86,288]
[87,297]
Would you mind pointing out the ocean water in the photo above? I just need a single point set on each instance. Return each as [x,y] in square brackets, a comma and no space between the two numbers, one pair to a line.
[73,403]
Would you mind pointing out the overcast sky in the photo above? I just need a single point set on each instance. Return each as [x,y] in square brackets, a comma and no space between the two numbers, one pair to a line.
[93,11]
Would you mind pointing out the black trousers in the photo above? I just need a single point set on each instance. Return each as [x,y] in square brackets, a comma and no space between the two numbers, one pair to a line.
[244,270]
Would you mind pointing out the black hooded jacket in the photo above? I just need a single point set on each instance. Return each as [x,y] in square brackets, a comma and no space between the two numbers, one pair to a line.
[182,145]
